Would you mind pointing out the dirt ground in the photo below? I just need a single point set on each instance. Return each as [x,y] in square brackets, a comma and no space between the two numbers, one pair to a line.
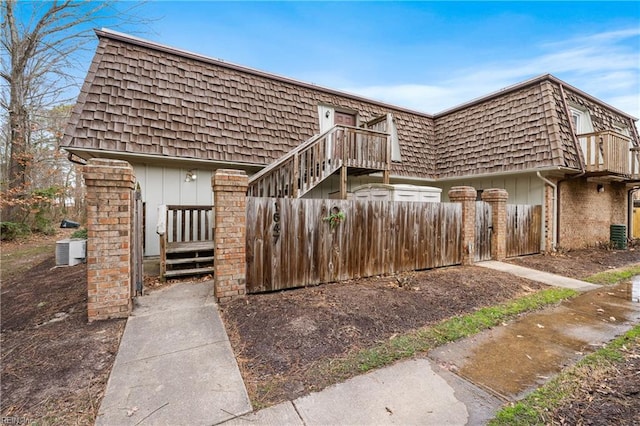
[281,335]
[278,337]
[606,400]
[580,263]
[54,364]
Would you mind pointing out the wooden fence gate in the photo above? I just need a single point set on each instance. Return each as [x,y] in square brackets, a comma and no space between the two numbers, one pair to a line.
[137,238]
[300,242]
[483,231]
[524,229]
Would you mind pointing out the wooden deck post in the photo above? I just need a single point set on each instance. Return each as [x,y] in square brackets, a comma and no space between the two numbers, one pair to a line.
[498,200]
[343,182]
[230,208]
[466,195]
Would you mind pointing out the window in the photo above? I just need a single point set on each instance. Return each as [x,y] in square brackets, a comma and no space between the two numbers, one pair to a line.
[581,120]
[622,130]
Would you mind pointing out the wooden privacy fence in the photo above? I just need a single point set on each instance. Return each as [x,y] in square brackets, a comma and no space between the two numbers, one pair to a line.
[524,231]
[482,241]
[293,243]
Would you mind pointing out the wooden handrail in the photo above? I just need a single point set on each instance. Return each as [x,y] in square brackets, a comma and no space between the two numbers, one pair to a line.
[607,151]
[289,155]
[306,166]
[193,224]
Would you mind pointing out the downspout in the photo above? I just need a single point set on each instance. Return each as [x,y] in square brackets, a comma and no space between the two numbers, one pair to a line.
[630,229]
[554,225]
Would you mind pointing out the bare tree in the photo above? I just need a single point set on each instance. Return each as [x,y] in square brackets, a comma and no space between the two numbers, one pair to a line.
[40,42]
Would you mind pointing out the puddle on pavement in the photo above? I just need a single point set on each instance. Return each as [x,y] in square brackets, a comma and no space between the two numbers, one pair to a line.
[539,345]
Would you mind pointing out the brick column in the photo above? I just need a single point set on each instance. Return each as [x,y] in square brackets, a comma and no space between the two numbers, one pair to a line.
[230,212]
[467,196]
[497,198]
[109,201]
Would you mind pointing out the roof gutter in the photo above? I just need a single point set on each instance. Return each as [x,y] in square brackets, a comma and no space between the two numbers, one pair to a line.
[98,153]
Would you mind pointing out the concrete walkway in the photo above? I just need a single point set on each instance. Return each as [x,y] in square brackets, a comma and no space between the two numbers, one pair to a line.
[175,364]
[539,276]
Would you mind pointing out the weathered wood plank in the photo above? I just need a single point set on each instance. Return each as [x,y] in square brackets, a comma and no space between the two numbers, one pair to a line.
[290,244]
[524,229]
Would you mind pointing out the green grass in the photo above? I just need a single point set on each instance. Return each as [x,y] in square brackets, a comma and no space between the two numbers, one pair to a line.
[534,409]
[614,277]
[16,262]
[424,339]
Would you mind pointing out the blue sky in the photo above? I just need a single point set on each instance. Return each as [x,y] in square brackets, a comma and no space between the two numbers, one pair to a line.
[427,56]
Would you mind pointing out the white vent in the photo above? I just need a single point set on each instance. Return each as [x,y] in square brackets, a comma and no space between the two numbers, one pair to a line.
[70,252]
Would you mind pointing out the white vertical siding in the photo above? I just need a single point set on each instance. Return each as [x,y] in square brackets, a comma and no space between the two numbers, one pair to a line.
[166,185]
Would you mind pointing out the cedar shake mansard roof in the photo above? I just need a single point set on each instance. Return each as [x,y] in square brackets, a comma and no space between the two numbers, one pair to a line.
[142,98]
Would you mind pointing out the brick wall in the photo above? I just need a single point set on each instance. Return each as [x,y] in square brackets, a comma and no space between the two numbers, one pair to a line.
[230,212]
[466,195]
[586,214]
[497,198]
[109,202]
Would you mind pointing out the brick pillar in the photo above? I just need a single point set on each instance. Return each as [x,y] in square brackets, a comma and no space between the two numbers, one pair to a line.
[109,202]
[230,212]
[548,219]
[498,200]
[466,195]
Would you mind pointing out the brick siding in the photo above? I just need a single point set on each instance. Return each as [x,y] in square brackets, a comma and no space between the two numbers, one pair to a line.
[109,201]
[230,260]
[586,214]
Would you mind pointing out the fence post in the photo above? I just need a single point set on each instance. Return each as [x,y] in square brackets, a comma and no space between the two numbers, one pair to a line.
[497,198]
[466,195]
[230,216]
[109,202]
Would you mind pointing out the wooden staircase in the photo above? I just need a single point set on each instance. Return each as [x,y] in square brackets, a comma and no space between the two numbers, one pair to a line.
[350,150]
[186,241]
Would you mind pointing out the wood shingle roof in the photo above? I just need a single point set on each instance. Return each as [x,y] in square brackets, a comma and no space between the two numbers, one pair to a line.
[143,98]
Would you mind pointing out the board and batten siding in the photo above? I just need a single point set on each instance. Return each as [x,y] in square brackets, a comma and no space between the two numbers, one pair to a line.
[166,185]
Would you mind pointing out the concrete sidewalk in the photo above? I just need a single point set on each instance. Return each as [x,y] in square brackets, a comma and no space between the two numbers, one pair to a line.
[175,364]
[539,276]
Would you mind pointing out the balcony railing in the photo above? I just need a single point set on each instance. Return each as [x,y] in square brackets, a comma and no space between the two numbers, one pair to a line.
[305,167]
[610,153]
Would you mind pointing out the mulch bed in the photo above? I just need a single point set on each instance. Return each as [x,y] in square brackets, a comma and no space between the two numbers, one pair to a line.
[54,364]
[579,263]
[281,335]
[609,400]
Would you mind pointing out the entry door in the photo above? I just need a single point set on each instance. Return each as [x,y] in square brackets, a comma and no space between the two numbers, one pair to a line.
[344,118]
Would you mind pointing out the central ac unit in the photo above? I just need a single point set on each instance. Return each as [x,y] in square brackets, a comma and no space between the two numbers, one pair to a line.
[70,252]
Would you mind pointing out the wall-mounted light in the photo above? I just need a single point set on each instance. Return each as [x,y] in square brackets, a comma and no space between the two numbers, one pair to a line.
[191,176]
[600,187]
[327,114]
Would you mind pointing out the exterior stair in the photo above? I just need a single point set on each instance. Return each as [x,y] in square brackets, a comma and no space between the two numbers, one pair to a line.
[308,165]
